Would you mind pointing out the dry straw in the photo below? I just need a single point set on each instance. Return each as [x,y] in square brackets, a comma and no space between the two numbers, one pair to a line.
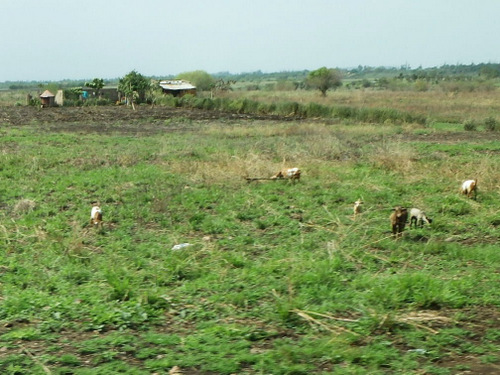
[24,206]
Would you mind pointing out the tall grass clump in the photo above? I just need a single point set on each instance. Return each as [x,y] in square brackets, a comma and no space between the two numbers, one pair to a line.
[288,109]
[318,110]
[491,124]
[292,108]
[470,125]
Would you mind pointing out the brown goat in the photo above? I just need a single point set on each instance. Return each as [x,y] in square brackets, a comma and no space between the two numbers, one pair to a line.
[398,220]
[292,174]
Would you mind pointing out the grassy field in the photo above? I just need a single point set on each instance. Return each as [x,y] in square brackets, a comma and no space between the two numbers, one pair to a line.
[436,105]
[278,278]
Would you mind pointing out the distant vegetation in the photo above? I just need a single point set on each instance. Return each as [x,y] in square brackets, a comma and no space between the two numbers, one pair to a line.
[484,71]
[292,93]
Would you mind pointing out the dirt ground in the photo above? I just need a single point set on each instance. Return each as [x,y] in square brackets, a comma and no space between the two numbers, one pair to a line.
[119,119]
[158,119]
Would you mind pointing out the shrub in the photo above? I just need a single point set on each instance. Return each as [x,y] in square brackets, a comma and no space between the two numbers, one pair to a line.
[470,126]
[208,104]
[167,100]
[490,124]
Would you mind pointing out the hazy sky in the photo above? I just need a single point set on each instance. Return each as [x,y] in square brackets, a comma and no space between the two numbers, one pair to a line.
[69,39]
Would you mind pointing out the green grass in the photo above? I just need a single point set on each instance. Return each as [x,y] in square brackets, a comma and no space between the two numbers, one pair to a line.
[279,277]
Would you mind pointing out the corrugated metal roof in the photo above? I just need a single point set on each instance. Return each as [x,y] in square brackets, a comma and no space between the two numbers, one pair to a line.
[177,84]
[47,94]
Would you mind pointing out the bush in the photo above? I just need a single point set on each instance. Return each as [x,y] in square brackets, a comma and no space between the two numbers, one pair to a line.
[490,124]
[470,126]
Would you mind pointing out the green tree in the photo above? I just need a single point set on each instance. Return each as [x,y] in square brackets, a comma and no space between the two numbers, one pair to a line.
[134,86]
[324,79]
[97,84]
[201,79]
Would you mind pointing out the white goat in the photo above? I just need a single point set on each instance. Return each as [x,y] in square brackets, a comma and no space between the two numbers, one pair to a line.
[469,187]
[418,218]
[96,216]
[357,207]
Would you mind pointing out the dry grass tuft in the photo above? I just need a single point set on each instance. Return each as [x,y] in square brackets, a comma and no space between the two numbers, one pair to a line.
[394,156]
[24,206]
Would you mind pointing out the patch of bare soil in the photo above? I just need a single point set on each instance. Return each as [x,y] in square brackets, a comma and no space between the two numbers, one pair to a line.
[119,119]
[149,120]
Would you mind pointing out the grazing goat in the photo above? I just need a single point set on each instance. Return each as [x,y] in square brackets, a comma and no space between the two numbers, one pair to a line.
[469,187]
[357,207]
[418,218]
[96,216]
[292,174]
[398,220]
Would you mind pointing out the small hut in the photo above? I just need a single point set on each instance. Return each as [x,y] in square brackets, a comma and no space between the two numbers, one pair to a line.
[47,99]
[177,87]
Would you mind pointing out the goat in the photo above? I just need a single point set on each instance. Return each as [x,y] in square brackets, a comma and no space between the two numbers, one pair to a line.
[469,187]
[292,174]
[96,216]
[418,218]
[398,220]
[357,207]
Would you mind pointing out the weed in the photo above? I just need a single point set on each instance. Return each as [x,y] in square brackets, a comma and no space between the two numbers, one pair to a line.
[470,125]
[491,124]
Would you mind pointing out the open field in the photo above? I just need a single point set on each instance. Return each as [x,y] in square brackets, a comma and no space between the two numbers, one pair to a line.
[279,278]
[436,105]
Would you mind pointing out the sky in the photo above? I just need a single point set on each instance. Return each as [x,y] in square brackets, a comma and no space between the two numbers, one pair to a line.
[53,40]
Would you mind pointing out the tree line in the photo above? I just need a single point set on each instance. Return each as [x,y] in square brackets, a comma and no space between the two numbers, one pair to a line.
[464,71]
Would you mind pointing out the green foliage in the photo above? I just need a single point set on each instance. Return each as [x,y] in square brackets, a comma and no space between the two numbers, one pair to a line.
[470,125]
[491,124]
[324,79]
[72,94]
[97,84]
[201,79]
[134,86]
[311,110]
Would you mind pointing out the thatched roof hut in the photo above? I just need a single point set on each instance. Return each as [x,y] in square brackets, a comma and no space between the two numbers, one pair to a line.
[47,99]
